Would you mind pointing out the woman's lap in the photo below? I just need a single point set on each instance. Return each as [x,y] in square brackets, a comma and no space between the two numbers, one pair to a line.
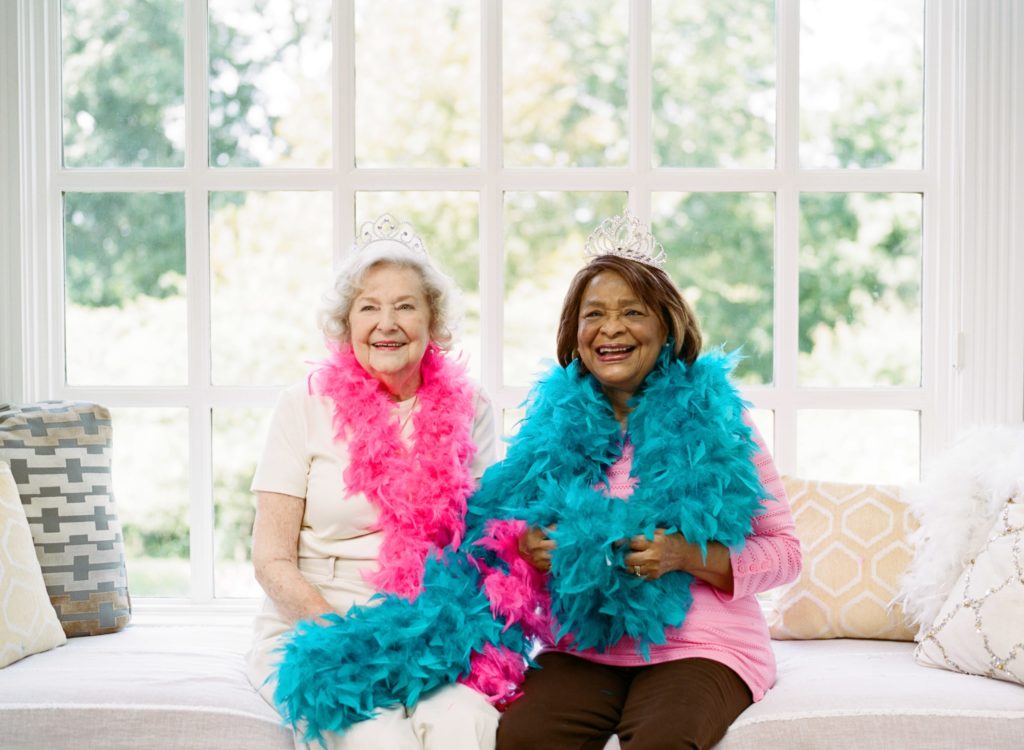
[453,717]
[571,703]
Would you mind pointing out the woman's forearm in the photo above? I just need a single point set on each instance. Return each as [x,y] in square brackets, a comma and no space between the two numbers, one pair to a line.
[714,569]
[295,597]
[275,539]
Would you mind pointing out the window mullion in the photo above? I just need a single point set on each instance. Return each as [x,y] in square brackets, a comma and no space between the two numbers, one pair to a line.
[491,196]
[344,173]
[942,168]
[640,115]
[197,273]
[787,228]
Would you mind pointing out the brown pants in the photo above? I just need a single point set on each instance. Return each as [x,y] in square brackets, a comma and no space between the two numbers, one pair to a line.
[575,704]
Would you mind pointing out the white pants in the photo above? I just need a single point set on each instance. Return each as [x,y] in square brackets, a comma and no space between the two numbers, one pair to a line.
[454,717]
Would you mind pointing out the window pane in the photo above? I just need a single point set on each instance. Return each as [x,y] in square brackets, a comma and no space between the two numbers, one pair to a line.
[123,83]
[764,420]
[713,83]
[861,83]
[544,236]
[150,470]
[720,254]
[270,83]
[860,276]
[417,83]
[270,264]
[448,222]
[238,436]
[125,283]
[861,445]
[565,76]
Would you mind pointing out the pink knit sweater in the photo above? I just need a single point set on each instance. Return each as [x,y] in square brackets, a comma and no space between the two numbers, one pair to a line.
[728,628]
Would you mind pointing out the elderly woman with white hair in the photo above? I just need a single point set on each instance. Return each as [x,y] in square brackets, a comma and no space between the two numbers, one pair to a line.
[368,465]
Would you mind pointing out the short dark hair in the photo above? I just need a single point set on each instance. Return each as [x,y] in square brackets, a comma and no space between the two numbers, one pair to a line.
[652,285]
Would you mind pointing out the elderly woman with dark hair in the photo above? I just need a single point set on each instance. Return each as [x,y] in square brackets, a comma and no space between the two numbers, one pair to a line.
[653,510]
[367,467]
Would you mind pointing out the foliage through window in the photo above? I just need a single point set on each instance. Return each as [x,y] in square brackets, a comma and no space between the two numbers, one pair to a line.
[194,265]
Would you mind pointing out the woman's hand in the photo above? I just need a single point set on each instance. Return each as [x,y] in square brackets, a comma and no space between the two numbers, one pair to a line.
[653,558]
[535,547]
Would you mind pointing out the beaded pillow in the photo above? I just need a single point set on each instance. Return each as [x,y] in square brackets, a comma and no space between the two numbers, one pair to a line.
[59,454]
[855,550]
[980,628]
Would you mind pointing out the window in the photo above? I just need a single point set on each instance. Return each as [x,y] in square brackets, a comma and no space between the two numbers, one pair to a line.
[212,158]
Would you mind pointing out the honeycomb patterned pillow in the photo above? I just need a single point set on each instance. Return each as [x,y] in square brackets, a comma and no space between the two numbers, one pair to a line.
[59,454]
[855,550]
[28,624]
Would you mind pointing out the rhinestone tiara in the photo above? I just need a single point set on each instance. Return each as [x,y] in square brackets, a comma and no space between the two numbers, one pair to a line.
[627,237]
[386,229]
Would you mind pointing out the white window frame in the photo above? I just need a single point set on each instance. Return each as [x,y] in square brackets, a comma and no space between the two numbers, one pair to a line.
[973,269]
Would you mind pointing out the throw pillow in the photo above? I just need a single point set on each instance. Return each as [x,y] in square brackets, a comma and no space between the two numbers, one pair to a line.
[28,623]
[980,628]
[59,454]
[855,549]
[961,495]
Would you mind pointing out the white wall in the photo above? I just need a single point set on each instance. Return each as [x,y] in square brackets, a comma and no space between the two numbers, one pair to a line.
[990,376]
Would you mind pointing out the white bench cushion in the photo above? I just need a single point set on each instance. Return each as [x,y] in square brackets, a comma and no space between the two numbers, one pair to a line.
[146,686]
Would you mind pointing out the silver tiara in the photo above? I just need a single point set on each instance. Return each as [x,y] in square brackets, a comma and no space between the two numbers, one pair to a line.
[385,229]
[626,237]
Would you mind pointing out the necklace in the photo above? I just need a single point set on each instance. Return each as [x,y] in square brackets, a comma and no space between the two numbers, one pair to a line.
[403,422]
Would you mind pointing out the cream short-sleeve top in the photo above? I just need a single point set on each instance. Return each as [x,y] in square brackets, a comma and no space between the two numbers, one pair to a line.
[301,458]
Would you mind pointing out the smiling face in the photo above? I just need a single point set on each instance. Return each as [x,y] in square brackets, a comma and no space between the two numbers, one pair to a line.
[389,325]
[618,337]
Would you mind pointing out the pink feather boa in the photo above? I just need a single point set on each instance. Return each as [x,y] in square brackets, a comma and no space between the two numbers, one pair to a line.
[518,596]
[419,491]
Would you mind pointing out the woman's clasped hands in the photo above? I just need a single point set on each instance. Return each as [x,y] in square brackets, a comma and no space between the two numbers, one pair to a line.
[646,558]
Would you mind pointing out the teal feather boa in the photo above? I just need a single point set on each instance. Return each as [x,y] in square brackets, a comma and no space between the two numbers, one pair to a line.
[693,459]
[337,673]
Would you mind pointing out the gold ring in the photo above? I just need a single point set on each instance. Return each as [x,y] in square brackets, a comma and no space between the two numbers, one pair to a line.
[636,571]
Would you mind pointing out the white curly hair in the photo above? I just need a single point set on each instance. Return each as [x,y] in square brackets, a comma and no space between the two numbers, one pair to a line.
[442,294]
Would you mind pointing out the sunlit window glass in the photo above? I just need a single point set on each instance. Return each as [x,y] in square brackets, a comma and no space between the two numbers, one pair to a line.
[150,472]
[123,83]
[860,289]
[125,304]
[447,222]
[270,83]
[764,420]
[238,436]
[713,83]
[861,83]
[720,250]
[270,264]
[544,238]
[859,445]
[565,72]
[417,83]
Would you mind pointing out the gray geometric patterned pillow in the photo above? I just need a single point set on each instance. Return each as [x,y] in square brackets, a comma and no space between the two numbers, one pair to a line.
[59,452]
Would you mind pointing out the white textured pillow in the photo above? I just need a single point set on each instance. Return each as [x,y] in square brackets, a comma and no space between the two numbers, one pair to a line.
[28,622]
[964,489]
[980,628]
